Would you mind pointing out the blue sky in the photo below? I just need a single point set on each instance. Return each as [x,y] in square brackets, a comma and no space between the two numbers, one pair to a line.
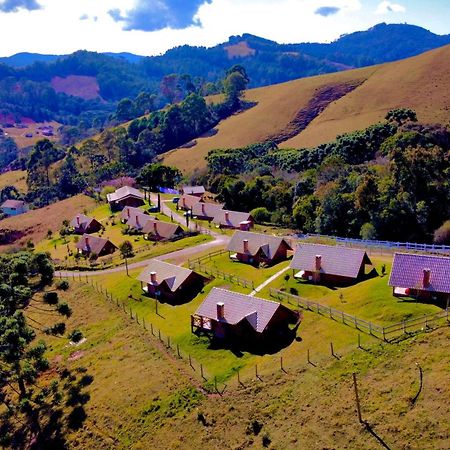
[149,27]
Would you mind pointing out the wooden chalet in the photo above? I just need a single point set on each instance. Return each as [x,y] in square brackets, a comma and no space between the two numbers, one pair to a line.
[197,191]
[125,196]
[205,211]
[230,315]
[233,219]
[257,248]
[422,276]
[187,202]
[88,245]
[170,283]
[158,230]
[83,224]
[328,264]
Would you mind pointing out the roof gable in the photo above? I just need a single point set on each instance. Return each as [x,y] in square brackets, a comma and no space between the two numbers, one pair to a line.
[173,276]
[237,307]
[407,272]
[265,243]
[335,260]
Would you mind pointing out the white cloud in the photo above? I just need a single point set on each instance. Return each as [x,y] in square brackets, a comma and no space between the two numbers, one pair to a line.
[388,7]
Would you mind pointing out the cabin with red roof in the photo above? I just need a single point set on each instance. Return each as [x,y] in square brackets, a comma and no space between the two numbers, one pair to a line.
[425,277]
[329,264]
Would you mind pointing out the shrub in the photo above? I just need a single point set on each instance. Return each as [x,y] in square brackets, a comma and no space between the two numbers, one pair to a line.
[62,285]
[442,234]
[76,336]
[51,298]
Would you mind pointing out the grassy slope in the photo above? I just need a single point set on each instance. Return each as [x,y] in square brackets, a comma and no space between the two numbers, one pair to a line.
[17,178]
[420,83]
[141,398]
[37,222]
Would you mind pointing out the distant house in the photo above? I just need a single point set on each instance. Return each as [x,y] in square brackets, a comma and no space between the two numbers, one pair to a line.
[205,211]
[125,196]
[83,224]
[421,276]
[198,191]
[231,315]
[128,211]
[14,207]
[88,245]
[328,264]
[187,202]
[233,219]
[256,248]
[170,283]
[158,230]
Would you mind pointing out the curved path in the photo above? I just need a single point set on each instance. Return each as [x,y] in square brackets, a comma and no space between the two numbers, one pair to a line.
[220,240]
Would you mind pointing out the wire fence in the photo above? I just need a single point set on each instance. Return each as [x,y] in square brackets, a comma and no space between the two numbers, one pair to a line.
[387,333]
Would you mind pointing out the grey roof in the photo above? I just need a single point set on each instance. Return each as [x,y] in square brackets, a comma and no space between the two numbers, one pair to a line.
[96,244]
[174,276]
[161,228]
[267,243]
[206,209]
[193,189]
[407,272]
[257,311]
[84,221]
[336,260]
[138,220]
[129,210]
[13,204]
[234,218]
[123,192]
[188,201]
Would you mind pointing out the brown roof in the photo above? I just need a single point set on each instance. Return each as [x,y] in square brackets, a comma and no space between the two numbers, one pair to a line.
[131,210]
[257,311]
[82,222]
[188,201]
[206,209]
[92,244]
[161,228]
[124,192]
[193,189]
[335,259]
[12,204]
[234,218]
[267,243]
[408,272]
[173,276]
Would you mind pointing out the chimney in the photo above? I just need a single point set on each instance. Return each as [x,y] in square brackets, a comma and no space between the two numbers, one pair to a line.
[153,277]
[78,220]
[220,311]
[318,262]
[245,241]
[426,277]
[227,216]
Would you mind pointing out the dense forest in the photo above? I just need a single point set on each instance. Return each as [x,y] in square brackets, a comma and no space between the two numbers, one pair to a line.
[389,181]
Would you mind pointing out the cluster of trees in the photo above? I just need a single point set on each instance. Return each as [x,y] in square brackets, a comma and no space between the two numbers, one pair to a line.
[390,181]
[34,408]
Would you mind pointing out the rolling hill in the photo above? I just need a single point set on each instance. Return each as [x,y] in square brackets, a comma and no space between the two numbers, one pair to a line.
[302,113]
